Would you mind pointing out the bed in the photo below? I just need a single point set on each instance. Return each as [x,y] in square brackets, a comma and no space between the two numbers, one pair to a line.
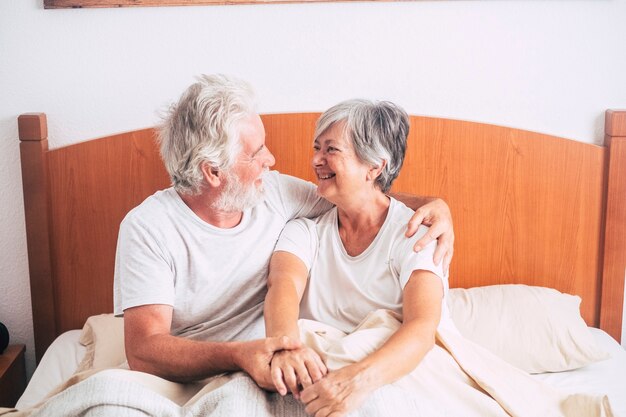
[528,208]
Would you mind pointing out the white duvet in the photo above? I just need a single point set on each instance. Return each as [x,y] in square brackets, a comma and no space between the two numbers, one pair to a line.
[457,378]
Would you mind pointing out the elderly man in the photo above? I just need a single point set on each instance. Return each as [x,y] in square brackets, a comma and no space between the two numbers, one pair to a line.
[191,265]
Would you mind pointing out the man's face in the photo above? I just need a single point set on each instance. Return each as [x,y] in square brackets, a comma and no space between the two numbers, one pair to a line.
[255,157]
[243,181]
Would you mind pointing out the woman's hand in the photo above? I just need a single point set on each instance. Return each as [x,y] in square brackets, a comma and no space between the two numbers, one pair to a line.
[292,369]
[435,214]
[254,357]
[337,394]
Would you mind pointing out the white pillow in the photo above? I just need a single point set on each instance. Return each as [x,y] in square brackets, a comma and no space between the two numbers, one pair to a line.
[536,329]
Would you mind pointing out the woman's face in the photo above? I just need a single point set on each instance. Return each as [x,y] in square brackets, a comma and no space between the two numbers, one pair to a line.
[339,172]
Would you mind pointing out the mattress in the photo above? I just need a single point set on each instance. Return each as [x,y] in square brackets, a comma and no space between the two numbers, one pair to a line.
[605,377]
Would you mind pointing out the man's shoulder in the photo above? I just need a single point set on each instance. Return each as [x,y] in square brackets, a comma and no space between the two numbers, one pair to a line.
[278,182]
[152,208]
[283,190]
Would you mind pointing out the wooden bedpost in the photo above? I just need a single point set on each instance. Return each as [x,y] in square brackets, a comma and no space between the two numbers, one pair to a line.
[614,269]
[33,133]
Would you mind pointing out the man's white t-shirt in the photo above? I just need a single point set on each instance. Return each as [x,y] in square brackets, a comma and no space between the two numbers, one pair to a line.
[343,289]
[215,279]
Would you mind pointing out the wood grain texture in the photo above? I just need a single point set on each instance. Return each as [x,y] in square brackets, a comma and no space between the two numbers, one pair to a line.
[94,185]
[12,375]
[290,138]
[75,4]
[33,148]
[528,208]
[32,126]
[614,265]
[615,123]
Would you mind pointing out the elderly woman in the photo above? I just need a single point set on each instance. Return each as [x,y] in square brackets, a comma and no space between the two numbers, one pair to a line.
[353,260]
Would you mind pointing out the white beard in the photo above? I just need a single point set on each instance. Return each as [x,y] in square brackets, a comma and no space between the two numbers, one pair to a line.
[237,197]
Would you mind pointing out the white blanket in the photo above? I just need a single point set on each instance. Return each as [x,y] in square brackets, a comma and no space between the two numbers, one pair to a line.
[456,379]
[124,393]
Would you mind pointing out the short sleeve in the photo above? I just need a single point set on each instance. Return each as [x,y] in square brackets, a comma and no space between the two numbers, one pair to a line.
[299,237]
[407,260]
[142,273]
[298,198]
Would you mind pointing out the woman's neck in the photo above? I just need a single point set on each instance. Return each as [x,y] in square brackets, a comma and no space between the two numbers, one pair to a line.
[360,220]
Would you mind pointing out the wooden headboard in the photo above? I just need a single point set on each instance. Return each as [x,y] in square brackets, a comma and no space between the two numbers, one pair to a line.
[528,208]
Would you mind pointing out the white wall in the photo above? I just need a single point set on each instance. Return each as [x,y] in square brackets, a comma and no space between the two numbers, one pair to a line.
[548,66]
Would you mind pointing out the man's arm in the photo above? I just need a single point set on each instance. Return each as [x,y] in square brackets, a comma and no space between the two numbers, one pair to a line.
[150,348]
[299,198]
[411,200]
[435,213]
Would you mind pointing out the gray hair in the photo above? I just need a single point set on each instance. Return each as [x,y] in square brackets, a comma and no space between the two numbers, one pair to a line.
[202,128]
[378,131]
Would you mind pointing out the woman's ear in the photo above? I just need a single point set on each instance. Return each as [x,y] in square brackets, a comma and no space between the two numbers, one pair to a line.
[375,171]
[211,175]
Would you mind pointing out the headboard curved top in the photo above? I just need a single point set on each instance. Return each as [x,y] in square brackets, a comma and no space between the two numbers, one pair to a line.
[528,208]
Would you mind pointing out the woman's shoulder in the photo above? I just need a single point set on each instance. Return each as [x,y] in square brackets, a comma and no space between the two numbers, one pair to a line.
[399,216]
[318,226]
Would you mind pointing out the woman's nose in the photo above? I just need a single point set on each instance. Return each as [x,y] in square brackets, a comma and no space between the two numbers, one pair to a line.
[317,158]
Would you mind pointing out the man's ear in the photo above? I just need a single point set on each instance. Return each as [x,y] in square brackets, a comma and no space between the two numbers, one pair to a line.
[211,175]
[375,171]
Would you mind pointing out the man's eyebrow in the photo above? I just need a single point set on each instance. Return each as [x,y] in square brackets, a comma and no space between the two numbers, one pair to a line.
[258,150]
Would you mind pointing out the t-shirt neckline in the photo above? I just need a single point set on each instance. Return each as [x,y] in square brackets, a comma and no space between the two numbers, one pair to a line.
[190,214]
[372,245]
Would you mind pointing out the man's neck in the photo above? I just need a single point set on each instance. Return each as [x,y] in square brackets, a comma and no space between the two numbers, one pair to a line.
[202,206]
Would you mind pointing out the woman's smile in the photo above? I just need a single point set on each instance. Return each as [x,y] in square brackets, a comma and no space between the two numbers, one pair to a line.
[325,176]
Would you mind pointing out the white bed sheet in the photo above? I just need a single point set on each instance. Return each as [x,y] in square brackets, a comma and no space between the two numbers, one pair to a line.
[605,377]
[57,365]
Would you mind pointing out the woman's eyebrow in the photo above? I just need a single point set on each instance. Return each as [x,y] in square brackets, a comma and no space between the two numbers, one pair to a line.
[326,141]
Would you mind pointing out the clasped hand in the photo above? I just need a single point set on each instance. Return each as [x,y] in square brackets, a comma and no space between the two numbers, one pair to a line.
[303,373]
[296,369]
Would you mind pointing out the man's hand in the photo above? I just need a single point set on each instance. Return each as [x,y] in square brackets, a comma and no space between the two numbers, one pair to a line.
[254,357]
[435,214]
[294,368]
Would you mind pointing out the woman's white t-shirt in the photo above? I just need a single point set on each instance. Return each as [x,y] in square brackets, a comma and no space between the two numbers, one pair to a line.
[343,289]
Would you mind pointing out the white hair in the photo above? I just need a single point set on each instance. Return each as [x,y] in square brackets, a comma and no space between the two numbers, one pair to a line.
[238,197]
[378,132]
[203,128]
